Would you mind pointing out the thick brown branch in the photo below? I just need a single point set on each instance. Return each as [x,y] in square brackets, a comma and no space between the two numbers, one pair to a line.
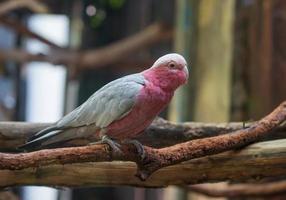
[100,57]
[241,190]
[255,162]
[155,158]
[198,148]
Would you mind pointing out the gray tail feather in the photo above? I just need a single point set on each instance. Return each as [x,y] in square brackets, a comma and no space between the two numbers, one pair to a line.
[42,132]
[37,140]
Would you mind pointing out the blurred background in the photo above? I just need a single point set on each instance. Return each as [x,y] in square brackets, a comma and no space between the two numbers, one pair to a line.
[55,53]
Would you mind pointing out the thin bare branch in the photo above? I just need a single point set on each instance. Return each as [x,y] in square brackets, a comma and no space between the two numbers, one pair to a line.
[37,7]
[19,28]
[100,57]
[126,47]
[10,5]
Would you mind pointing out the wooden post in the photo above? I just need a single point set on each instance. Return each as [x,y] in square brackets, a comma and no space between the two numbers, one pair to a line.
[204,34]
[181,108]
[214,60]
[260,41]
[214,63]
[185,44]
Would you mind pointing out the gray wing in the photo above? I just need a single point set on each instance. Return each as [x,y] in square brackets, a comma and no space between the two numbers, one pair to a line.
[110,103]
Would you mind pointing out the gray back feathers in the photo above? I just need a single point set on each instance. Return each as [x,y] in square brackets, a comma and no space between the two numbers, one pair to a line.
[108,104]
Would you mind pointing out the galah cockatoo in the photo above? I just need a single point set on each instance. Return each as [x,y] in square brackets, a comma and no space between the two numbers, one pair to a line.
[121,109]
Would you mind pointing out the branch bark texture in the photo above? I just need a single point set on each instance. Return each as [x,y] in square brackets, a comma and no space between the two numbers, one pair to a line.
[255,162]
[155,158]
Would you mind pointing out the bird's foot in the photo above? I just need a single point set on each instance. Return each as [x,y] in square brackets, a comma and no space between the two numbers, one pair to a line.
[115,146]
[138,145]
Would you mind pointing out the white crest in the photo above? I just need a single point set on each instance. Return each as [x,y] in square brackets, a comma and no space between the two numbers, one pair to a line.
[170,57]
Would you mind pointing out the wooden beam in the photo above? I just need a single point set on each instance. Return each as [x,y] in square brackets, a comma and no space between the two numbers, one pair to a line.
[262,190]
[161,133]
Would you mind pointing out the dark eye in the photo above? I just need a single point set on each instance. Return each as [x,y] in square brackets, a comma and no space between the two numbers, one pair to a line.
[172,65]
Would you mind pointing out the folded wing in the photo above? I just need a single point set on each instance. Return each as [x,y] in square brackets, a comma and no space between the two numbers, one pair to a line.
[110,103]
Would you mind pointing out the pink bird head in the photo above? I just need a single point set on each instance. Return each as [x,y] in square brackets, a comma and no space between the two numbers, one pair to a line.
[168,72]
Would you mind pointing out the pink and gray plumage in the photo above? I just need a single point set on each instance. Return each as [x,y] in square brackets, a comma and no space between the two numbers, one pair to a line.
[121,109]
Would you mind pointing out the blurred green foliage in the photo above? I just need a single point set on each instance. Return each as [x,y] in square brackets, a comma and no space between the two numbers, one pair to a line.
[103,7]
[116,4]
[97,19]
